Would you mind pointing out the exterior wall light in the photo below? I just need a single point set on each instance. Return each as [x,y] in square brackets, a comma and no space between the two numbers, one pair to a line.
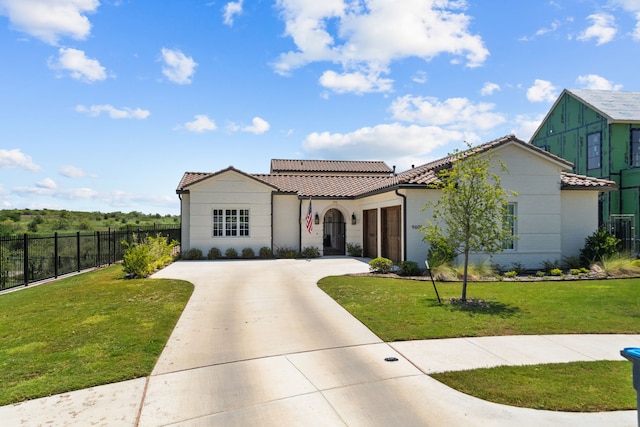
[316,219]
[353,218]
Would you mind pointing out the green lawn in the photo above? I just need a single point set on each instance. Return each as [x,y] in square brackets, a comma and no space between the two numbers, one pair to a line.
[398,309]
[85,330]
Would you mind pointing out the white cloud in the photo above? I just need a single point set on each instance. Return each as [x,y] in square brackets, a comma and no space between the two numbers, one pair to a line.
[489,88]
[232,9]
[178,67]
[72,172]
[633,7]
[420,77]
[114,113]
[49,20]
[594,81]
[374,143]
[526,126]
[202,123]
[454,113]
[47,183]
[16,159]
[258,126]
[603,29]
[129,200]
[78,65]
[356,82]
[368,37]
[542,91]
[41,189]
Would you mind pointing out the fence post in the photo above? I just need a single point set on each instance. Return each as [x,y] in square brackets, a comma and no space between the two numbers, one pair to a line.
[55,254]
[98,243]
[78,249]
[25,259]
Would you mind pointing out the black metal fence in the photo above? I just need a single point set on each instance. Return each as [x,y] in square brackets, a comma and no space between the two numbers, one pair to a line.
[26,259]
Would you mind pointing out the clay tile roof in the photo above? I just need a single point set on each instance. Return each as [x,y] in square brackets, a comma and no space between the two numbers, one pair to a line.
[359,183]
[192,177]
[329,166]
[428,173]
[326,185]
[572,181]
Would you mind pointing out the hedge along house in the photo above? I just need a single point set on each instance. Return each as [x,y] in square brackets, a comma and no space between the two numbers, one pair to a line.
[599,132]
[367,203]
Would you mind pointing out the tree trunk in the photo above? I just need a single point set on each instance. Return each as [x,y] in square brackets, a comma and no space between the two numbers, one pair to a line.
[464,275]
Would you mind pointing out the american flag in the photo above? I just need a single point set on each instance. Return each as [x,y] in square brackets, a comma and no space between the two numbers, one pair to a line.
[309,218]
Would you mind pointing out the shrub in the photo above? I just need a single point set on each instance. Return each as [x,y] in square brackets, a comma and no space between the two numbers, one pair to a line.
[540,273]
[475,271]
[287,253]
[214,253]
[137,261]
[409,268]
[161,250]
[354,249]
[555,272]
[575,271]
[572,262]
[511,273]
[265,253]
[517,267]
[231,253]
[380,265]
[620,265]
[550,265]
[310,252]
[192,253]
[248,253]
[440,253]
[599,245]
[142,259]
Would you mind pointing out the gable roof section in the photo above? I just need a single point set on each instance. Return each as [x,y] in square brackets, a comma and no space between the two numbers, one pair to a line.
[324,167]
[190,178]
[428,173]
[356,185]
[615,105]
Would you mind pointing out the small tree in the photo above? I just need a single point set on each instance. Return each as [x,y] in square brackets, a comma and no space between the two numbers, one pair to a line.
[471,215]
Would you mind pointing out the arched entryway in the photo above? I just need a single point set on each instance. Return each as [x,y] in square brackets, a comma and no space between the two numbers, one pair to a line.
[334,233]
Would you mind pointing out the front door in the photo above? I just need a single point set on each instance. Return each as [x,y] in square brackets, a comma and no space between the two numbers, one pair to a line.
[391,233]
[370,231]
[334,233]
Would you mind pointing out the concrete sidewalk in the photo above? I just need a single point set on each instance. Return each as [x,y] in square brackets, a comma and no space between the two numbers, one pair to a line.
[260,344]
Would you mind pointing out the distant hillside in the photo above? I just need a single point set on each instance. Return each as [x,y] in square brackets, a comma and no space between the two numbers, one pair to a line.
[18,221]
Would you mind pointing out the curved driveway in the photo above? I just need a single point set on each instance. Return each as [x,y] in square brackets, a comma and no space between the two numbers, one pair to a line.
[261,344]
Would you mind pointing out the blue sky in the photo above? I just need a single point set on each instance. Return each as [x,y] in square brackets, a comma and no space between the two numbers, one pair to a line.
[106,103]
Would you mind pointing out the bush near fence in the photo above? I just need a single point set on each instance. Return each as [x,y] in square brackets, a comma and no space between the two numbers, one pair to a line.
[28,258]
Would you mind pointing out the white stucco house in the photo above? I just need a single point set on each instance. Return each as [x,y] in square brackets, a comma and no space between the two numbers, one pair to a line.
[370,204]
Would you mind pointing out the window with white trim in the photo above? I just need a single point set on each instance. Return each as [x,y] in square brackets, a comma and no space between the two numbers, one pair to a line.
[510,224]
[594,150]
[230,222]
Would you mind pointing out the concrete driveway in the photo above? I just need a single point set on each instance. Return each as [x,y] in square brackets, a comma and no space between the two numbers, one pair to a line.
[260,344]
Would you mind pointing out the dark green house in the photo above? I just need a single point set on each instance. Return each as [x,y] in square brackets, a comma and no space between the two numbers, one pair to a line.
[599,132]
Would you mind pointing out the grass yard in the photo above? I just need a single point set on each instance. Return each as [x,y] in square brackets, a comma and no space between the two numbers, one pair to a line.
[399,309]
[85,330]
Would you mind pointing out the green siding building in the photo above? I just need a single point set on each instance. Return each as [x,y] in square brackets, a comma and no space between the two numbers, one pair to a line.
[599,132]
